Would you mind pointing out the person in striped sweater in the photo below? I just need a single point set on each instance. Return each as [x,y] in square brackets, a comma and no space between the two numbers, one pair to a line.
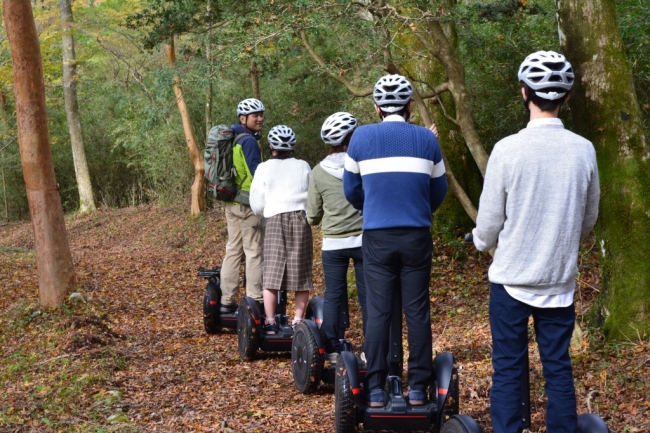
[394,174]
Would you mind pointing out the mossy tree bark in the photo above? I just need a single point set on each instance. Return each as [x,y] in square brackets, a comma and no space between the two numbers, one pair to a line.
[605,110]
[53,260]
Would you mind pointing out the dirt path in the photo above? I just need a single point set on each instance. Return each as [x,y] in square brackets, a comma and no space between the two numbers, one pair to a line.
[140,339]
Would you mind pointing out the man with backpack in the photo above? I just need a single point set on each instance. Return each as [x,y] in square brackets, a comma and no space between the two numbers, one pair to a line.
[245,229]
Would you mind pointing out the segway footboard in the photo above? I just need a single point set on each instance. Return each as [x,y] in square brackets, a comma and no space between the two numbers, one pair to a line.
[397,414]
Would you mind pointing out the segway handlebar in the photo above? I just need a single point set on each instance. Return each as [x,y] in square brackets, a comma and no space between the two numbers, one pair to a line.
[209,273]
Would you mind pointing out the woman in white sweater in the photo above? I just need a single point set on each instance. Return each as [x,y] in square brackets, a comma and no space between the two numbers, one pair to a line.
[279,193]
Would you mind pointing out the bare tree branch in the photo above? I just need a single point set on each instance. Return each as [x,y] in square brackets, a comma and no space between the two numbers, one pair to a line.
[321,62]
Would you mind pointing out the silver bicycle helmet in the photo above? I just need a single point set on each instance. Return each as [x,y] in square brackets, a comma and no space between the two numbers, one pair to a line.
[282,137]
[336,127]
[248,106]
[547,73]
[392,92]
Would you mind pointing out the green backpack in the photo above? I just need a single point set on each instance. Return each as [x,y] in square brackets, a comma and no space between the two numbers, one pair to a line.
[219,166]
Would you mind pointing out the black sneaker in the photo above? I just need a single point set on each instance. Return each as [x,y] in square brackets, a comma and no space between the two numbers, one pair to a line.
[227,308]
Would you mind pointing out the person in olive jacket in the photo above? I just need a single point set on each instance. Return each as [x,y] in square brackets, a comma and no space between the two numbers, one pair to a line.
[341,226]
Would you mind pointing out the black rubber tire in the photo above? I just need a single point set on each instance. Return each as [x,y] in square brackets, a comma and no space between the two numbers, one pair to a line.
[344,406]
[454,426]
[306,362]
[591,423]
[211,316]
[461,424]
[247,335]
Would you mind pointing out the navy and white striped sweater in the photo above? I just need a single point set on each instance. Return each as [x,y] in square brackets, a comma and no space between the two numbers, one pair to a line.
[394,173]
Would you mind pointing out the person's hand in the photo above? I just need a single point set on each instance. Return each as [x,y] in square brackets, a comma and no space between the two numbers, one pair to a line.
[434,129]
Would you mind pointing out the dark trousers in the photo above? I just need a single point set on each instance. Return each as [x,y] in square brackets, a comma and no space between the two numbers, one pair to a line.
[394,259]
[335,268]
[553,329]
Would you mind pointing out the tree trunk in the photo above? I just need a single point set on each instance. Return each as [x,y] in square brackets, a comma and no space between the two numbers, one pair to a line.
[53,260]
[86,199]
[255,79]
[605,110]
[208,88]
[198,186]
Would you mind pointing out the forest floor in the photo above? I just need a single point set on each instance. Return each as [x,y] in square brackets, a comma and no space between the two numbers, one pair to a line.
[133,356]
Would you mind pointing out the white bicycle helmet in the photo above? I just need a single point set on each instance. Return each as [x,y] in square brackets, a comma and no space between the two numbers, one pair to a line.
[392,92]
[336,127]
[547,70]
[248,106]
[282,137]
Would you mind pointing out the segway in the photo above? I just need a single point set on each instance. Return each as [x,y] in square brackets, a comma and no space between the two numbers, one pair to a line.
[251,336]
[308,349]
[587,423]
[213,319]
[440,412]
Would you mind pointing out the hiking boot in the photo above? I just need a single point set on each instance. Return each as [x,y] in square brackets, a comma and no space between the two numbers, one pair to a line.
[417,398]
[376,398]
[227,308]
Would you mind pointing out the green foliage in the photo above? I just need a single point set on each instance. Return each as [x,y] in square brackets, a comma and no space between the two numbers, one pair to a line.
[634,21]
[132,129]
[506,32]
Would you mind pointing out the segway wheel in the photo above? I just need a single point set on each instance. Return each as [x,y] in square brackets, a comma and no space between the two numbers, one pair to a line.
[461,424]
[247,336]
[344,406]
[211,300]
[452,403]
[306,362]
[591,423]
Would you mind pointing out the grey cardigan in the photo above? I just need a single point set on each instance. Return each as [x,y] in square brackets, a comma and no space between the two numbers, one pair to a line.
[540,197]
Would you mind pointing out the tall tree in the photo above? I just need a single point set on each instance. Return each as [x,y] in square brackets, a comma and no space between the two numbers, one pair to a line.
[54,263]
[604,109]
[86,198]
[198,186]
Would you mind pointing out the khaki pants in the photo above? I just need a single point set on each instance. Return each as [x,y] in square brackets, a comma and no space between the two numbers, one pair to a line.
[245,238]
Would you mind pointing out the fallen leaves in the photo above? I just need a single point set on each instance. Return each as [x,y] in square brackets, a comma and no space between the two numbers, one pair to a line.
[135,357]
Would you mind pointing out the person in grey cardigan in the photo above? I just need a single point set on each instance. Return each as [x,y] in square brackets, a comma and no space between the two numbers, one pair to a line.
[540,198]
[341,227]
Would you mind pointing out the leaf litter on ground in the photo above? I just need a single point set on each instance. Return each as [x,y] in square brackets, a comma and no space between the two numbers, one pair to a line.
[134,356]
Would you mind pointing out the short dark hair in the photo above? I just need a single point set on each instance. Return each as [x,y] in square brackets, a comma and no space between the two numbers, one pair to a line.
[400,112]
[341,147]
[541,103]
[281,154]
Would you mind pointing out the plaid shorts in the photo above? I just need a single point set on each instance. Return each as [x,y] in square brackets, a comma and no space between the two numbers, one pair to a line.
[288,252]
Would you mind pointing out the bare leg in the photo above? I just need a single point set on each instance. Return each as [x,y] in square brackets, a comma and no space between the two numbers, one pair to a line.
[302,298]
[270,300]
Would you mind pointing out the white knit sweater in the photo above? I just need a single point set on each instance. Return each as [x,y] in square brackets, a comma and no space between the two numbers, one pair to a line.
[280,185]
